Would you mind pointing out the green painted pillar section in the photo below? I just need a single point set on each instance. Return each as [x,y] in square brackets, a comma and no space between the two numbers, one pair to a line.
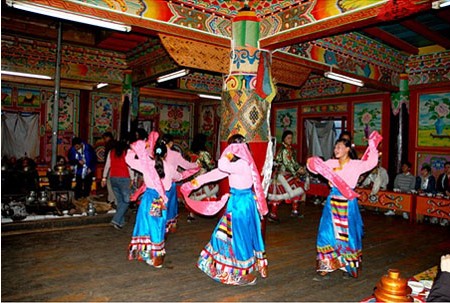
[402,116]
[126,106]
[402,96]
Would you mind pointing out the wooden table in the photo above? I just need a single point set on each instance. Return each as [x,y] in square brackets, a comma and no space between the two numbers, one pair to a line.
[438,207]
[395,201]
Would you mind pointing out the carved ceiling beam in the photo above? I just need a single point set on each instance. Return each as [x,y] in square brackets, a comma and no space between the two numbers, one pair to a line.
[427,33]
[322,28]
[320,68]
[391,40]
[69,84]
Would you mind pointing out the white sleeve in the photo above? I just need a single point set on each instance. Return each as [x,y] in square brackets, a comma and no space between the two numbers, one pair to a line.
[107,166]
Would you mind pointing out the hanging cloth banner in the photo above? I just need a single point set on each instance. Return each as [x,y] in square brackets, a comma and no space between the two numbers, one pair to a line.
[264,87]
[397,99]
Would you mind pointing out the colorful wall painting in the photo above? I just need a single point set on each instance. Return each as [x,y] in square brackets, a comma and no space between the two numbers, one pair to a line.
[68,104]
[175,119]
[324,108]
[366,118]
[208,125]
[434,120]
[29,97]
[102,114]
[286,119]
[147,108]
[434,160]
[6,96]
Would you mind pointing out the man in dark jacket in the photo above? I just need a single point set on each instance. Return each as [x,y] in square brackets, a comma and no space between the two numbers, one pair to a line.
[440,291]
[83,159]
[443,182]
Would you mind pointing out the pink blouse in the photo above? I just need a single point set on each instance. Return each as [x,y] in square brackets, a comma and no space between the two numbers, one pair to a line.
[351,171]
[176,159]
[147,167]
[239,174]
[171,175]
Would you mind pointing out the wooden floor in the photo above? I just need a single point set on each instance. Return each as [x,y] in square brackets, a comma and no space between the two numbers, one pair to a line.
[90,263]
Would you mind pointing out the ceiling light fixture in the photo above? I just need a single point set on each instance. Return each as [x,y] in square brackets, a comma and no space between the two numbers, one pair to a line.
[342,78]
[57,13]
[215,97]
[440,4]
[100,85]
[173,75]
[27,75]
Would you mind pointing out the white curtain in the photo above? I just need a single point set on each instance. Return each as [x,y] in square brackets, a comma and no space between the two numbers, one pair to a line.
[320,137]
[20,135]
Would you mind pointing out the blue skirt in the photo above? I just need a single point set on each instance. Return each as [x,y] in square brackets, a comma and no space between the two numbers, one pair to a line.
[339,240]
[148,235]
[172,207]
[236,247]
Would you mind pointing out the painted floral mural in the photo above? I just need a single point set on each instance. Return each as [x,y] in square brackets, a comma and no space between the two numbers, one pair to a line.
[286,119]
[434,120]
[367,118]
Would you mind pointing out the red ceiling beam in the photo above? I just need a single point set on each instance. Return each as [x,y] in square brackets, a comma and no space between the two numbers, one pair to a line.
[427,33]
[391,40]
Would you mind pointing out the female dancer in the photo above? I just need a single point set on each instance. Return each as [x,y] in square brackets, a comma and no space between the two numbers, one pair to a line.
[236,248]
[175,159]
[147,243]
[286,184]
[339,240]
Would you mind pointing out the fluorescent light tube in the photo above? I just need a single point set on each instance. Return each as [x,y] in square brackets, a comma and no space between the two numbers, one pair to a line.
[100,85]
[57,13]
[444,3]
[342,78]
[210,96]
[5,72]
[173,75]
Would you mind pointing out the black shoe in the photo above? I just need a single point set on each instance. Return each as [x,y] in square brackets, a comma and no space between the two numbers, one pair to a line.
[346,276]
[116,226]
[273,219]
[320,278]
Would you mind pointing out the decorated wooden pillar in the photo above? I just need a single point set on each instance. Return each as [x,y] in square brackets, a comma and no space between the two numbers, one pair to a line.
[247,96]
[400,125]
[126,106]
[248,89]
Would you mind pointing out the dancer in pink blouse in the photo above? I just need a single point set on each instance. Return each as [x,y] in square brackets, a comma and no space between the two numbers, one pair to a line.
[236,248]
[339,240]
[148,243]
[175,159]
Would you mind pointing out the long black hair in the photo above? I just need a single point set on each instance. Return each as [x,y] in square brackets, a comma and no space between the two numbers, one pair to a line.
[167,138]
[160,152]
[285,134]
[198,143]
[120,147]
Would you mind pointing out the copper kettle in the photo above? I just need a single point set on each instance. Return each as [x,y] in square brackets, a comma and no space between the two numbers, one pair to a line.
[393,288]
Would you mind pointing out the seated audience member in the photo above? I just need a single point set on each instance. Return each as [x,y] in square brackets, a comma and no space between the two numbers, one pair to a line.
[440,291]
[443,182]
[404,182]
[442,187]
[426,182]
[377,179]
